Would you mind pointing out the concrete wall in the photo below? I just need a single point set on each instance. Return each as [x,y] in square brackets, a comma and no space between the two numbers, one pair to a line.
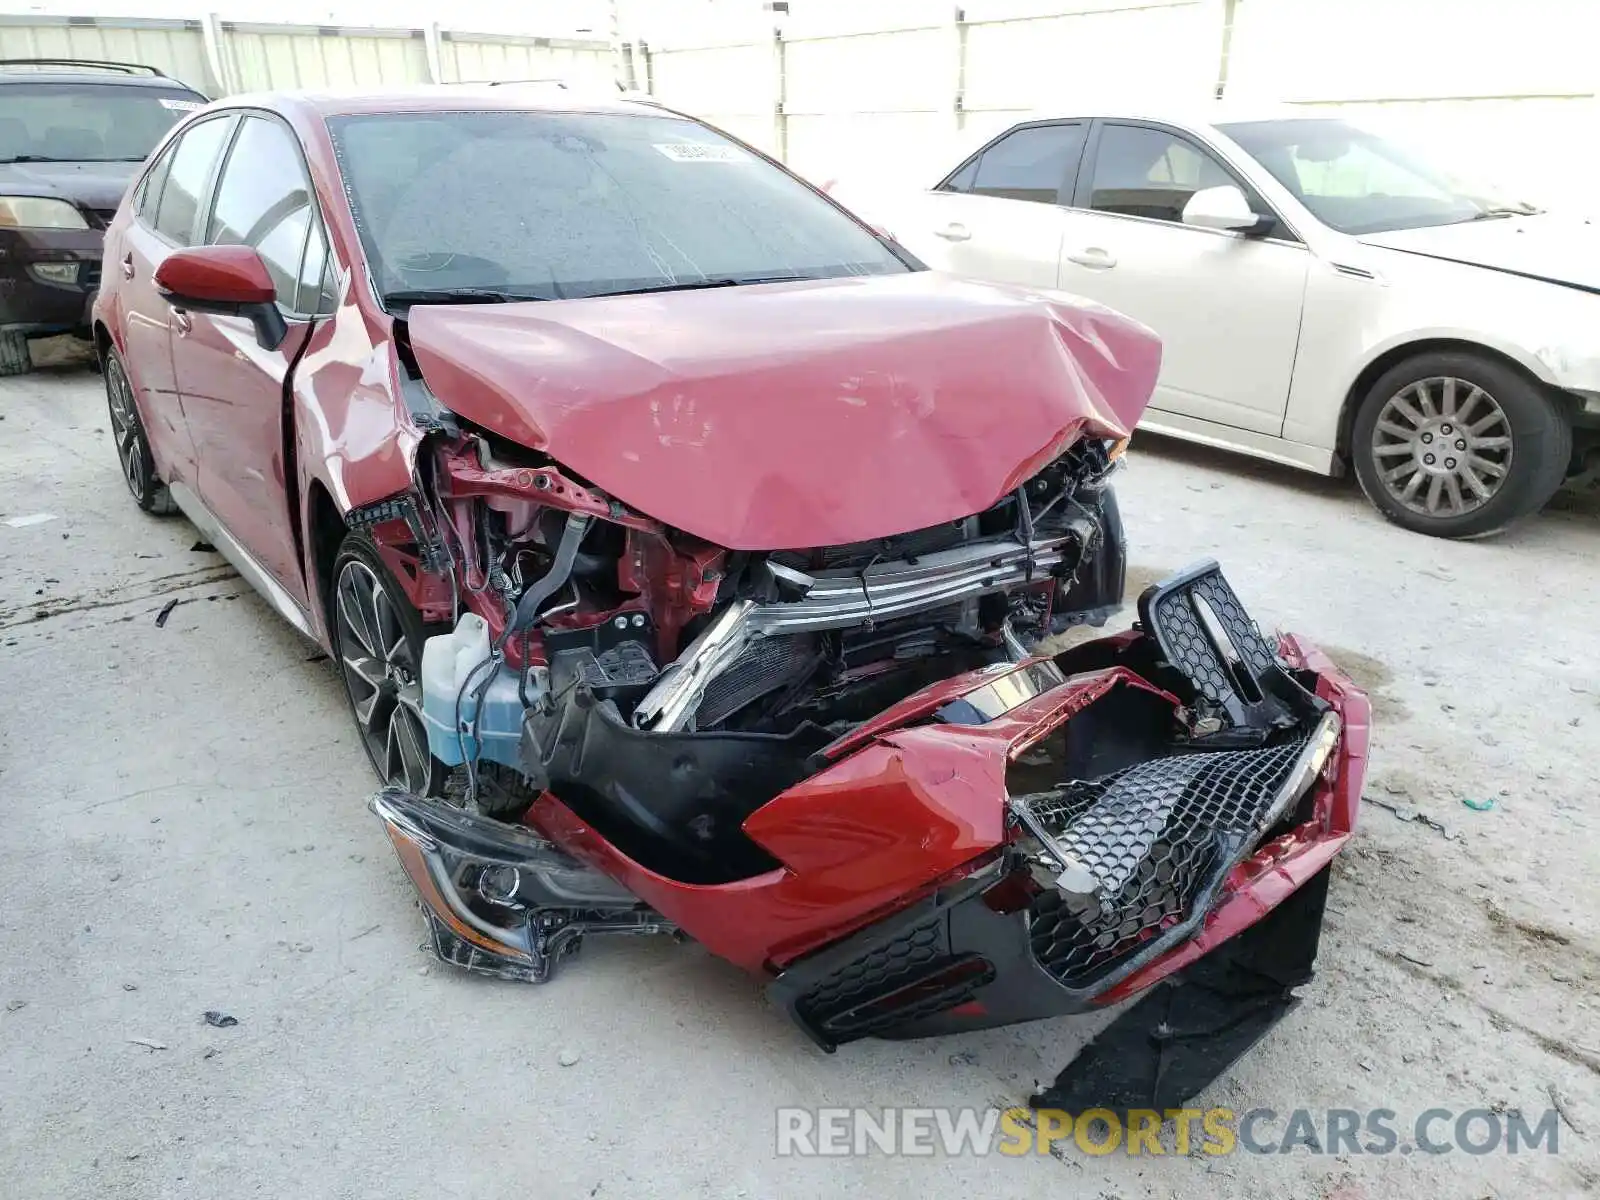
[226,57]
[1504,88]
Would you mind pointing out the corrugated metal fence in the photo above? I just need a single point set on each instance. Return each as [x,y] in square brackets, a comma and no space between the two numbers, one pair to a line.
[1508,87]
[225,57]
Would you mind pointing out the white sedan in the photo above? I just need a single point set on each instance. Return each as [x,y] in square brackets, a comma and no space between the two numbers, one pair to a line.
[1325,299]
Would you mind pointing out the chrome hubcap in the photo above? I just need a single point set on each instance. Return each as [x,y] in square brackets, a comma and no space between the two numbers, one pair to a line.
[125,428]
[1442,447]
[381,674]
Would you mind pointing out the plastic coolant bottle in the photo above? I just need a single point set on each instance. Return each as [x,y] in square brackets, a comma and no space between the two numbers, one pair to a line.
[455,670]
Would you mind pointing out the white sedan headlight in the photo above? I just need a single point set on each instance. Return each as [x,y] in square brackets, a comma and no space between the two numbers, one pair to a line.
[39,212]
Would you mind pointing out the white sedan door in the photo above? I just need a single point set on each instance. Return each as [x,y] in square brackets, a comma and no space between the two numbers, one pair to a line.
[1000,217]
[1227,306]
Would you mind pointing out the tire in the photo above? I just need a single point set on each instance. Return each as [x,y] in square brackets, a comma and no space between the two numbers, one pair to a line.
[1431,473]
[133,447]
[14,357]
[377,642]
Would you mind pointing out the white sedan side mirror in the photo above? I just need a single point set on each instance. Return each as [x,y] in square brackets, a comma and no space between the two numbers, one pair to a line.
[1223,208]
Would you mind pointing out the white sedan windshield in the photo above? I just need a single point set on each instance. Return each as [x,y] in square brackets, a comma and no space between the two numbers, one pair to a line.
[1358,182]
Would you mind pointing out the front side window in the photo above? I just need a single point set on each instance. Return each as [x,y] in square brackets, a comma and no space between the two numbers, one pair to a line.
[1144,172]
[555,205]
[87,122]
[1359,182]
[263,201]
[184,191]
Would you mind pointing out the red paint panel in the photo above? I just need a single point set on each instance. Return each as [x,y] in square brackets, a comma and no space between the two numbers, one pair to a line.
[860,839]
[796,415]
[218,274]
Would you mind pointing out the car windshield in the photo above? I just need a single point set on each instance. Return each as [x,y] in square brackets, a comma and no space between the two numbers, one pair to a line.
[1358,182]
[479,206]
[86,122]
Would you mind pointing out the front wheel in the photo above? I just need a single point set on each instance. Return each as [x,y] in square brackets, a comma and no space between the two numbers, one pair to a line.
[1454,445]
[377,641]
[14,356]
[133,447]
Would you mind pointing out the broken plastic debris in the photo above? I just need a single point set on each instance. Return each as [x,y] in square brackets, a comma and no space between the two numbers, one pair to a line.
[30,519]
[166,611]
[220,1020]
[1478,805]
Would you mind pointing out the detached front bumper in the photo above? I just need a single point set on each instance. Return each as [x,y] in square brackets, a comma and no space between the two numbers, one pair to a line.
[48,278]
[1022,842]
[1107,887]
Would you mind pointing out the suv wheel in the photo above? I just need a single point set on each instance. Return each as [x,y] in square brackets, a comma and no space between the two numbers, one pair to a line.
[14,357]
[1454,445]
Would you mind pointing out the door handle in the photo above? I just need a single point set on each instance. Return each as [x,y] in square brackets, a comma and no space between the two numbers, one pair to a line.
[954,232]
[1094,258]
[182,320]
[127,266]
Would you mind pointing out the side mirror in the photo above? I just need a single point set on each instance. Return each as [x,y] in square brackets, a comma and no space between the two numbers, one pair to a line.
[1223,208]
[227,280]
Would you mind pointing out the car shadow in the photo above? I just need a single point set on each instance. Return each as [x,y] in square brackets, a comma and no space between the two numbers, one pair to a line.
[1568,509]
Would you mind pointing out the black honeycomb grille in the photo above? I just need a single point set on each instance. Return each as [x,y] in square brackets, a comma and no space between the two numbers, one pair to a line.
[1139,846]
[903,980]
[1190,648]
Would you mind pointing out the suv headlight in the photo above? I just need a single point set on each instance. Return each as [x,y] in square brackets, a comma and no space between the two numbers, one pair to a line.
[39,212]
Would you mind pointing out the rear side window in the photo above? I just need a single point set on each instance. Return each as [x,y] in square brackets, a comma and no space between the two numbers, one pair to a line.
[1034,163]
[149,197]
[264,201]
[192,161]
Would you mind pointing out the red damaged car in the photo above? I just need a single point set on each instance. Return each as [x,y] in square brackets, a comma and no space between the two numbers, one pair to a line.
[683,544]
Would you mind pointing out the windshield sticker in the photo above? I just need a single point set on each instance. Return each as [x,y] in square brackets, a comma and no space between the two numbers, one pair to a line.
[181,105]
[700,152]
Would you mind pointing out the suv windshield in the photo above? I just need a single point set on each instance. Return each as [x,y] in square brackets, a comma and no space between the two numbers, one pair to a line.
[1358,182]
[480,206]
[86,122]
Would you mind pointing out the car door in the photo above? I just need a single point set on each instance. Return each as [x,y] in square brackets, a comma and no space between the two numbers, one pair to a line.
[233,389]
[999,216]
[166,209]
[1226,305]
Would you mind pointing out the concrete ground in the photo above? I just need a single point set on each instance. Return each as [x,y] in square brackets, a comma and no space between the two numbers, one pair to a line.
[185,831]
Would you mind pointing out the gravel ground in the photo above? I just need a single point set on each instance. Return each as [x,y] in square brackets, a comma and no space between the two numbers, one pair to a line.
[185,832]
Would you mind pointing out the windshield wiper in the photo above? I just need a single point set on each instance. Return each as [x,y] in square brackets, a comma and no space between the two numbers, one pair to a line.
[1507,210]
[699,285]
[459,295]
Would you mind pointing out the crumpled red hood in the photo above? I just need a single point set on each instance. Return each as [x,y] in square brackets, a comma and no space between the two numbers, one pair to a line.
[787,416]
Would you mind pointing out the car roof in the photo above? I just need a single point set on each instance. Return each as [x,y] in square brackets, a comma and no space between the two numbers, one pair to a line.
[1191,116]
[31,70]
[536,96]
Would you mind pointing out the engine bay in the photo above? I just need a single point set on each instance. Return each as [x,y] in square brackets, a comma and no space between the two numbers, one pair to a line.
[582,647]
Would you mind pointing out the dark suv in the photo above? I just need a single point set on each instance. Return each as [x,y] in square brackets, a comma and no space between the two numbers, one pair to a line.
[72,134]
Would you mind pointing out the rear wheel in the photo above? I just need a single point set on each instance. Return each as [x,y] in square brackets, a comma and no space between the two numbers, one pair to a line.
[377,640]
[14,357]
[133,447]
[1454,445]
